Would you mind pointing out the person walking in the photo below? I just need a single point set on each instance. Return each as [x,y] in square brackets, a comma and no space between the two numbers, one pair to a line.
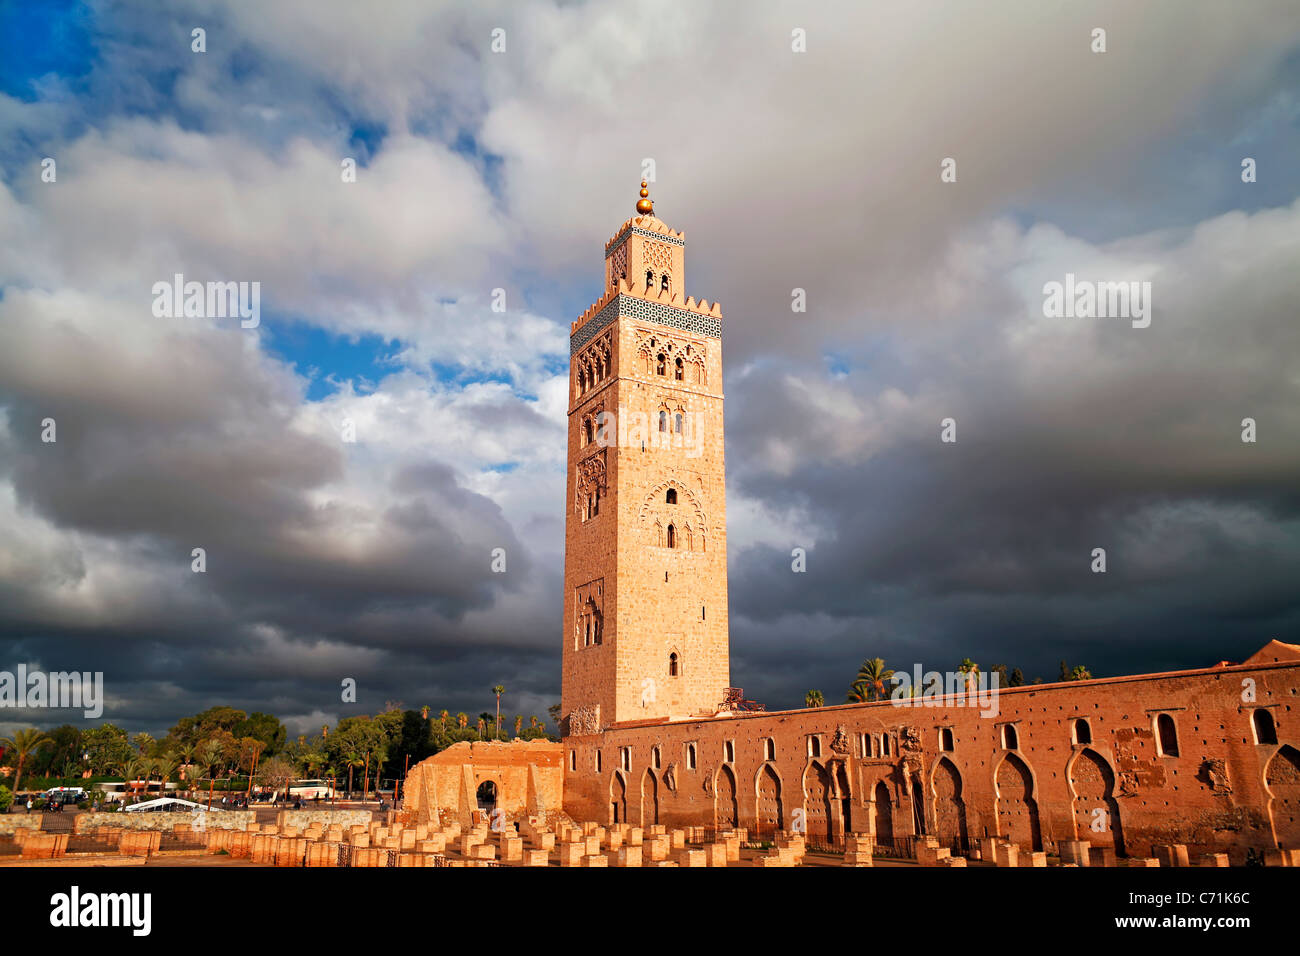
[29,804]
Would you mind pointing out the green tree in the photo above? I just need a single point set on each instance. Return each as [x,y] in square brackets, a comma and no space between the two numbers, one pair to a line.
[971,670]
[264,728]
[1017,678]
[6,798]
[61,757]
[106,746]
[814,698]
[1079,672]
[277,773]
[24,744]
[136,769]
[355,760]
[163,767]
[1001,671]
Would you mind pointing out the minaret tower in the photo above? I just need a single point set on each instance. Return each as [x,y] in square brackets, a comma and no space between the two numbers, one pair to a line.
[645,559]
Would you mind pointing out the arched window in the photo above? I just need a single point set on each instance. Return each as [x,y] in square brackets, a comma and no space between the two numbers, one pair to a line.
[690,756]
[1167,734]
[769,749]
[586,431]
[1265,729]
[595,503]
[660,362]
[1010,739]
[663,282]
[671,497]
[680,370]
[657,758]
[1082,732]
[649,278]
[672,664]
[663,421]
[672,537]
[677,423]
[945,739]
[884,745]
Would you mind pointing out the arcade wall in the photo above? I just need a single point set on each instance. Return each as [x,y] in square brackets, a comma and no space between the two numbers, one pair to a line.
[1209,758]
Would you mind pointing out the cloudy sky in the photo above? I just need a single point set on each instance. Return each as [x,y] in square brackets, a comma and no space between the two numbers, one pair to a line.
[479,170]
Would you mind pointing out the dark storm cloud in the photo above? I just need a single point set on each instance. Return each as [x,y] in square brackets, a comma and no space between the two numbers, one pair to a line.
[372,560]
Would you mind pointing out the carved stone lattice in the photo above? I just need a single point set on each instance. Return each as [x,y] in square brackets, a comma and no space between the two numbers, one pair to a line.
[657,256]
[618,264]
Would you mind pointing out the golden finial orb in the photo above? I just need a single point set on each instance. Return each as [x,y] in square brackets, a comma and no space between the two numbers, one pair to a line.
[645,205]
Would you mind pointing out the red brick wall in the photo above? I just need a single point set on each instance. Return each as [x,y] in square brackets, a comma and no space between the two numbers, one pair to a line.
[1144,797]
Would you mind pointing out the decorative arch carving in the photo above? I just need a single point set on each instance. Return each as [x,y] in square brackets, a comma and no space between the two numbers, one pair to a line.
[591,477]
[686,515]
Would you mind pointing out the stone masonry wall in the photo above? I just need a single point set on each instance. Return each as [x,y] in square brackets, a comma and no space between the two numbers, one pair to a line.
[889,773]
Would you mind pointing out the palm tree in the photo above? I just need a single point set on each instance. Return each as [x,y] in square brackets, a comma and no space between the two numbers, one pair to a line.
[970,669]
[462,720]
[164,766]
[499,689]
[24,743]
[313,761]
[814,698]
[209,756]
[519,724]
[135,768]
[424,712]
[1080,673]
[870,683]
[185,752]
[353,758]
